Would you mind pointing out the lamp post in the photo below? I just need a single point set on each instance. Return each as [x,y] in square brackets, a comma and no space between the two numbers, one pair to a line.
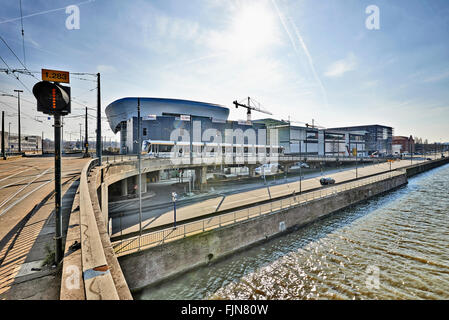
[174,197]
[356,161]
[300,165]
[140,167]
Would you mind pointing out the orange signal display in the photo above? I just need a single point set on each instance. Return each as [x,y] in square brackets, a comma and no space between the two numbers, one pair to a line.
[55,75]
[53,92]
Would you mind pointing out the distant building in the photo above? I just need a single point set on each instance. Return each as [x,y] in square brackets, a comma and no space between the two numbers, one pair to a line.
[294,139]
[407,143]
[27,142]
[332,142]
[379,139]
[314,141]
[160,116]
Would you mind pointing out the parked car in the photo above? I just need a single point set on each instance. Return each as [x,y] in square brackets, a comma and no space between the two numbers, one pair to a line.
[325,181]
[303,165]
[428,159]
[267,169]
[298,165]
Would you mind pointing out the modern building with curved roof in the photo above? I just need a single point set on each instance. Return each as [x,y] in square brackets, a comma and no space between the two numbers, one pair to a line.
[126,108]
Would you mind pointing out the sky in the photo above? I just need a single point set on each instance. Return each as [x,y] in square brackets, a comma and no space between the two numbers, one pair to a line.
[300,59]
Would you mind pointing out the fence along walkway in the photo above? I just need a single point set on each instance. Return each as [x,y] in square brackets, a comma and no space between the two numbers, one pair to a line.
[152,239]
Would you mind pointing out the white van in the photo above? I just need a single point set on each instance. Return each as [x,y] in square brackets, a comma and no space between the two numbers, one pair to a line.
[267,169]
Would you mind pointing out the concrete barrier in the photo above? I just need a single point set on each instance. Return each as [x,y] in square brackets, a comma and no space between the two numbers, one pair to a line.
[72,282]
[99,284]
[91,272]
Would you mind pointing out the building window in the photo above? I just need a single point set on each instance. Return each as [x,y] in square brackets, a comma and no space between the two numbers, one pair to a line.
[144,131]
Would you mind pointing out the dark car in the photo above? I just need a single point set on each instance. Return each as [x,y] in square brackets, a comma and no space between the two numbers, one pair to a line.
[325,181]
[428,159]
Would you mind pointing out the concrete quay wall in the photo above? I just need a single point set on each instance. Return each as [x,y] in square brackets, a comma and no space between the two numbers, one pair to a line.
[420,168]
[174,258]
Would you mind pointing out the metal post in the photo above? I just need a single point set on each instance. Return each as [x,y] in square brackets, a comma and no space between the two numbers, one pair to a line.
[300,170]
[98,120]
[191,140]
[174,197]
[81,138]
[62,134]
[42,143]
[140,169]
[356,160]
[3,136]
[58,196]
[9,137]
[86,138]
[18,108]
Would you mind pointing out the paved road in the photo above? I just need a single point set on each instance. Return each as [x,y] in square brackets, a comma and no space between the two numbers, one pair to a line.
[26,212]
[164,216]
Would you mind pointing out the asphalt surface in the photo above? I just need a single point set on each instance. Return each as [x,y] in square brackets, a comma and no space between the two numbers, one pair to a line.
[26,212]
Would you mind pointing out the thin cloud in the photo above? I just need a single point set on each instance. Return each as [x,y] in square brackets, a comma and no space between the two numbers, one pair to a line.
[303,45]
[340,67]
[437,77]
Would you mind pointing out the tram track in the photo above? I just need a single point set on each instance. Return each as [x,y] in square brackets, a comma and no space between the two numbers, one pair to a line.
[14,194]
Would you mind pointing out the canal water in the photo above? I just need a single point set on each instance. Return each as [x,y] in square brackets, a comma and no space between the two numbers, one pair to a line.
[394,246]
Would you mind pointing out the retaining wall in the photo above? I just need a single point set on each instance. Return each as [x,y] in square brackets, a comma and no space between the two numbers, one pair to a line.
[158,263]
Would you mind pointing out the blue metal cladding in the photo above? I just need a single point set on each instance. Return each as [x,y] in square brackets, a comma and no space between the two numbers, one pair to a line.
[163,126]
[126,108]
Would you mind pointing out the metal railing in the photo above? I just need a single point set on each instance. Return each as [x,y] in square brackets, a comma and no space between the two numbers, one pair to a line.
[159,237]
[224,157]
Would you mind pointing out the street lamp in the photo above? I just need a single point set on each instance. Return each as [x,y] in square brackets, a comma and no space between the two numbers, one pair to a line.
[174,197]
[300,165]
[356,161]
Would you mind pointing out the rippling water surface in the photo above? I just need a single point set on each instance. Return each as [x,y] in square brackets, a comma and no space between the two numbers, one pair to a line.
[392,247]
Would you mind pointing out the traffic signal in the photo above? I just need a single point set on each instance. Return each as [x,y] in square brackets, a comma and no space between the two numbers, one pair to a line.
[52,98]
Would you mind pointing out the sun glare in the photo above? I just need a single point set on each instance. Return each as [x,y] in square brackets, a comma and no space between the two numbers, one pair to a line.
[253,28]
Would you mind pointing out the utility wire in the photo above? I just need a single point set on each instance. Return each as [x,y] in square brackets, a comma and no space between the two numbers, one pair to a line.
[26,69]
[16,77]
[23,34]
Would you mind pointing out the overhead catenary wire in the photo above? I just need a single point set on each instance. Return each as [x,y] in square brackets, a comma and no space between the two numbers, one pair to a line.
[23,33]
[18,59]
[12,74]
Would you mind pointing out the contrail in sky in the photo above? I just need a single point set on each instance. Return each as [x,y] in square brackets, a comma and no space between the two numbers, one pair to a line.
[43,12]
[303,45]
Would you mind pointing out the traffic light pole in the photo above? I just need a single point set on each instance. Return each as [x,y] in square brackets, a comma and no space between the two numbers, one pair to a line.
[58,196]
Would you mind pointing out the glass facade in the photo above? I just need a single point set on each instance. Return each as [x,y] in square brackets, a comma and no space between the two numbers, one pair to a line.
[378,138]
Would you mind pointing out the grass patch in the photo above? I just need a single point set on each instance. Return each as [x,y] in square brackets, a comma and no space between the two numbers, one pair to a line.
[50,256]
